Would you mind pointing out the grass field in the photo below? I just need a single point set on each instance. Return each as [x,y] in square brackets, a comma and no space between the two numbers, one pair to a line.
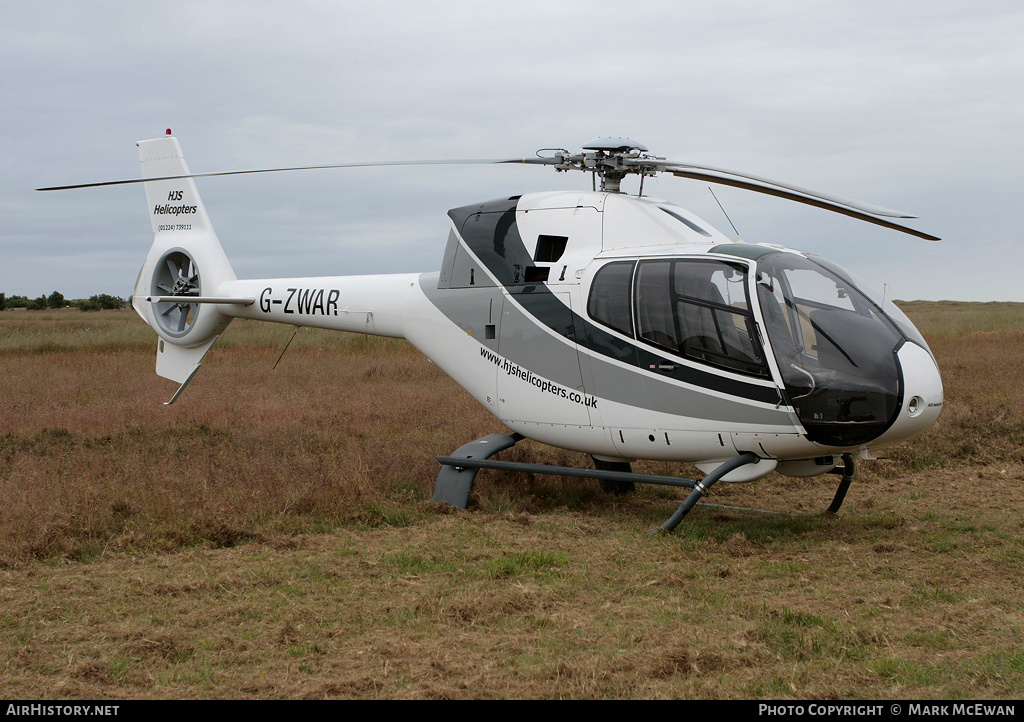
[271,535]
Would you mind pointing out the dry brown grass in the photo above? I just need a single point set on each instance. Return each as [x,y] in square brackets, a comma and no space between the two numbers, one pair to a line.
[271,536]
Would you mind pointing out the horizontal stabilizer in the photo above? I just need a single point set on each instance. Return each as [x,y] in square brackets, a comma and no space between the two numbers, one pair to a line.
[248,301]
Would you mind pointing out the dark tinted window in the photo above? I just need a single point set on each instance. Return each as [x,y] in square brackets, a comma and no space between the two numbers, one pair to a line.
[610,300]
[699,310]
[550,248]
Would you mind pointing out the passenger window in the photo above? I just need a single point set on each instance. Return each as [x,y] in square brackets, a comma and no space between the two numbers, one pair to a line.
[699,310]
[610,297]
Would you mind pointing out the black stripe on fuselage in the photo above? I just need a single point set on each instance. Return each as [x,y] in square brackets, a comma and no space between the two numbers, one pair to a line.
[491,233]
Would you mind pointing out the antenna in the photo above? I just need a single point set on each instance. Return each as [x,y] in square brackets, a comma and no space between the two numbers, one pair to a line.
[739,238]
[290,339]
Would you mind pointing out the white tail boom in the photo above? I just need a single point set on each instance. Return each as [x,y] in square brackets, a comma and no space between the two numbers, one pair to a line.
[188,293]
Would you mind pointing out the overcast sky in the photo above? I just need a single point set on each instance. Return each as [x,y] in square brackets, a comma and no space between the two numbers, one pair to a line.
[908,104]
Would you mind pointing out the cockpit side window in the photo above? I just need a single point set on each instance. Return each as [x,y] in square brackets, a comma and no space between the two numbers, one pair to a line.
[817,315]
[835,348]
[699,309]
[610,297]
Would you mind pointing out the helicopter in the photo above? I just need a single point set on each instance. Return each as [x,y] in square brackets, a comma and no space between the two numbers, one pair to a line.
[623,327]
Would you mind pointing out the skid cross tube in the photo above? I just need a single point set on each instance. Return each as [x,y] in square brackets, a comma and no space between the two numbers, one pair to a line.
[455,481]
[844,484]
[701,488]
[460,463]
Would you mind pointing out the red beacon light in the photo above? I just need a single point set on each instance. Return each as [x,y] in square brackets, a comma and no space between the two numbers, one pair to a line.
[168,132]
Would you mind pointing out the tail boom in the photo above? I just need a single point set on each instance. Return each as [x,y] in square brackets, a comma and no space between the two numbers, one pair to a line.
[374,304]
[188,293]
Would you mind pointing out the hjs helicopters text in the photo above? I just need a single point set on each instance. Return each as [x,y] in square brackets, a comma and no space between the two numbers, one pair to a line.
[623,327]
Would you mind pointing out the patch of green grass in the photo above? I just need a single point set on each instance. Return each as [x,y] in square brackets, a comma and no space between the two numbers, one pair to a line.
[1004,667]
[927,593]
[786,569]
[89,552]
[303,650]
[886,521]
[412,563]
[201,676]
[119,669]
[540,563]
[759,529]
[502,500]
[904,672]
[393,515]
[802,636]
[775,688]
[939,639]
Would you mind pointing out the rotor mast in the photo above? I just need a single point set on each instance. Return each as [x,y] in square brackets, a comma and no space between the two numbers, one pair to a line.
[610,158]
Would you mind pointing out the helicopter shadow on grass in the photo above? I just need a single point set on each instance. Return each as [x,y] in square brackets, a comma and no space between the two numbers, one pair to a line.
[717,520]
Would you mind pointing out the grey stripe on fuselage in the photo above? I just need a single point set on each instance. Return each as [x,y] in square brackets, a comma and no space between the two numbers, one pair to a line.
[555,359]
[491,232]
[497,244]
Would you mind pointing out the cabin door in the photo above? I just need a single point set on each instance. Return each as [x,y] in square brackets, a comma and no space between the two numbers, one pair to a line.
[539,377]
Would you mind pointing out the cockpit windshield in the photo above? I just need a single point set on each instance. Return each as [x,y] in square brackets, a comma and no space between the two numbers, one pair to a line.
[835,348]
[889,308]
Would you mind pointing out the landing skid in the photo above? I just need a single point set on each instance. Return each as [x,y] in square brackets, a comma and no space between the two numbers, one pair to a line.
[846,470]
[458,471]
[456,478]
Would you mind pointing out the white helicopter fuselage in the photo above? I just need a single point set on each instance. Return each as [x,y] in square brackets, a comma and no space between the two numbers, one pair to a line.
[622,327]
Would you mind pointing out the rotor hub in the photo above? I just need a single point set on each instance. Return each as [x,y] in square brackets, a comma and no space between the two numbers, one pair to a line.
[611,159]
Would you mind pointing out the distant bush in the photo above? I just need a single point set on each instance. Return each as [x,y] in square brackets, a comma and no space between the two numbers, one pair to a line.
[57,300]
[101,301]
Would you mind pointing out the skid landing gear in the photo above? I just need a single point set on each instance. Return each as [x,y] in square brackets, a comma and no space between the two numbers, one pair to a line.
[846,471]
[616,488]
[702,487]
[456,478]
[844,484]
[458,471]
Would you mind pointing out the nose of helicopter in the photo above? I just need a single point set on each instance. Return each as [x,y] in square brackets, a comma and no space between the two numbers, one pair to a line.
[922,395]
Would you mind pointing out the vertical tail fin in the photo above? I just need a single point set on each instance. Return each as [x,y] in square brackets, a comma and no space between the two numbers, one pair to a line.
[186,259]
[175,202]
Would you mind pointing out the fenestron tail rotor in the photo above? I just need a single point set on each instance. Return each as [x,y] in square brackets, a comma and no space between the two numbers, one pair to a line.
[177,276]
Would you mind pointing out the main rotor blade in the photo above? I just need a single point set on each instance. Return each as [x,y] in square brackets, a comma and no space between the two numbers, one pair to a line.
[527,161]
[800,198]
[874,210]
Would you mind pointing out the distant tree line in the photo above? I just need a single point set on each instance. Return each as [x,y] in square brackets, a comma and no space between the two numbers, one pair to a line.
[57,300]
